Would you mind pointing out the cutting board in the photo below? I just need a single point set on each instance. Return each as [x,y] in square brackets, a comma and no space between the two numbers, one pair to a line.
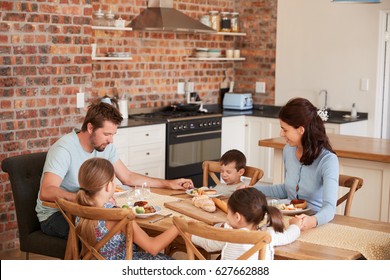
[187,208]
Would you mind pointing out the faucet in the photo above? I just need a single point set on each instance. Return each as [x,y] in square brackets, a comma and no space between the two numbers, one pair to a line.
[326,97]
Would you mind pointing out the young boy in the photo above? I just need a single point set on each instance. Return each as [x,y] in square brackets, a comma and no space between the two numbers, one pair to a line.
[233,164]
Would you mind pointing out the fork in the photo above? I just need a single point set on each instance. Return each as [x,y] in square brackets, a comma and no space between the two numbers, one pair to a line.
[160,218]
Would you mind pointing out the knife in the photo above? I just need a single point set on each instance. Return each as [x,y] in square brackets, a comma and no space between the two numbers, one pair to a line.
[159,219]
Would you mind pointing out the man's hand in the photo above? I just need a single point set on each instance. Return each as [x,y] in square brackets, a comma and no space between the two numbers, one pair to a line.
[180,184]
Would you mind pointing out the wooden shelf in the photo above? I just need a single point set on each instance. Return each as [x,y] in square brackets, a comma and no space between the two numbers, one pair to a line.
[112,28]
[215,59]
[231,33]
[111,58]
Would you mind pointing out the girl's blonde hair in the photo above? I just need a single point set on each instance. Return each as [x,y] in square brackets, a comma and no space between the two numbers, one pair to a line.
[252,204]
[94,174]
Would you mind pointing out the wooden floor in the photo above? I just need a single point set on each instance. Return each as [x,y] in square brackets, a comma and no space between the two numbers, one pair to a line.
[18,255]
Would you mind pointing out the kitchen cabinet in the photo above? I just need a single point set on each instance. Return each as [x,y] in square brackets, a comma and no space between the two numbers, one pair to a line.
[142,149]
[353,128]
[243,132]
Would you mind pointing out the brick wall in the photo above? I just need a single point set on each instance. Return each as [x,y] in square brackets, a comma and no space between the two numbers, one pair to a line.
[45,59]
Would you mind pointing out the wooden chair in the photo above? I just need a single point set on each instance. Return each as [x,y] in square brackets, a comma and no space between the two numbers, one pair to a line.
[123,216]
[187,228]
[25,173]
[212,167]
[353,184]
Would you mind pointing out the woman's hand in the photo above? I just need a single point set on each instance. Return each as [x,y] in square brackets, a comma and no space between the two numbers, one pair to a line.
[296,221]
[308,222]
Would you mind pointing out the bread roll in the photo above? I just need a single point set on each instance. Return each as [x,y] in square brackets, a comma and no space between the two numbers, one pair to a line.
[220,204]
[204,202]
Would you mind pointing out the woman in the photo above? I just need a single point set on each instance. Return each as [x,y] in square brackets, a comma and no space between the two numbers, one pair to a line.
[311,167]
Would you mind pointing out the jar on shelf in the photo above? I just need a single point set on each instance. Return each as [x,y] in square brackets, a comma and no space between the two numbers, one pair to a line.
[98,18]
[215,20]
[110,19]
[205,19]
[234,22]
[225,22]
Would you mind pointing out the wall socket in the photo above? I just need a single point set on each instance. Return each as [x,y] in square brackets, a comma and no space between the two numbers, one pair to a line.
[180,88]
[80,100]
[260,87]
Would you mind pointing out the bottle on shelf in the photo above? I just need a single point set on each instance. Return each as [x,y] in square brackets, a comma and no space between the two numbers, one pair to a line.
[234,22]
[225,22]
[110,20]
[98,19]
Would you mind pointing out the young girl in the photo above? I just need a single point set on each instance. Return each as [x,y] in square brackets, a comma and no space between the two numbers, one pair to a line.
[233,164]
[96,177]
[246,210]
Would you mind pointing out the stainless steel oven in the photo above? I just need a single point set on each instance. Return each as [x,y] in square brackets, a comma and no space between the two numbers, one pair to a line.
[189,143]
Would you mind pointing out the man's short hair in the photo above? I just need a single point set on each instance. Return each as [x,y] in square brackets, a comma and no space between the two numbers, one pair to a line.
[98,113]
[234,156]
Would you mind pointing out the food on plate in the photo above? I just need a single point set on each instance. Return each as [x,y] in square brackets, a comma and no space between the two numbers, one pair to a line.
[299,203]
[118,189]
[295,204]
[204,202]
[140,203]
[220,204]
[142,207]
[203,191]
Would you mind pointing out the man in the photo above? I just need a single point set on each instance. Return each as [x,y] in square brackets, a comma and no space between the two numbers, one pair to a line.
[64,158]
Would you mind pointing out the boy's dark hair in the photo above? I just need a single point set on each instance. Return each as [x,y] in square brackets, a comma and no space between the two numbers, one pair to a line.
[234,156]
[100,112]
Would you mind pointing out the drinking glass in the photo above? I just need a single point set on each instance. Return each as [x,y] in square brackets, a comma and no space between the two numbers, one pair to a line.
[145,190]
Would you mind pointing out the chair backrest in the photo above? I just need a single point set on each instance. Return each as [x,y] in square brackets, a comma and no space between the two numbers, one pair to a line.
[25,173]
[122,216]
[187,228]
[212,167]
[352,184]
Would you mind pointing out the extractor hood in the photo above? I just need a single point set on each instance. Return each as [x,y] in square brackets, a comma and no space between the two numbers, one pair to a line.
[161,16]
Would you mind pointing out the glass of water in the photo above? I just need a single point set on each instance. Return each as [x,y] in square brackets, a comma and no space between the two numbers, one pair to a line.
[145,191]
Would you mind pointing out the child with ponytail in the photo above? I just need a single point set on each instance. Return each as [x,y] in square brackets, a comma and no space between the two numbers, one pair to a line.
[96,178]
[247,208]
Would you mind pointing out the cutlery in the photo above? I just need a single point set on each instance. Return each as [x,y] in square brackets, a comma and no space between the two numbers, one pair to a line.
[178,193]
[159,219]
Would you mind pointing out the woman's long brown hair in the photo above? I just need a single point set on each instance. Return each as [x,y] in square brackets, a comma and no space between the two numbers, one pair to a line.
[301,112]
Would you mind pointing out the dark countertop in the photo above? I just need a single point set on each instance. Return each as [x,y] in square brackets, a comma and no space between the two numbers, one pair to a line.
[264,111]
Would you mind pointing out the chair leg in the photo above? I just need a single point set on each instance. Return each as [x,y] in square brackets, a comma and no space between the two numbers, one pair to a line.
[27,256]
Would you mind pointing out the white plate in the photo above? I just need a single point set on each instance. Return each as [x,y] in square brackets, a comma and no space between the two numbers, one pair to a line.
[126,190]
[274,202]
[210,195]
[295,212]
[143,216]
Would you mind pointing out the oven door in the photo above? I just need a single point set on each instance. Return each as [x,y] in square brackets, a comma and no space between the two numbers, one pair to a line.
[187,151]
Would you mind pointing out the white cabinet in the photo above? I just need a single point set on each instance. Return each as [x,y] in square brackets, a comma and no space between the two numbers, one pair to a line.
[243,133]
[261,157]
[142,149]
[233,134]
[353,128]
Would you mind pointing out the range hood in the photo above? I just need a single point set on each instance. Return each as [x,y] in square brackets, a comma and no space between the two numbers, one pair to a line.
[161,16]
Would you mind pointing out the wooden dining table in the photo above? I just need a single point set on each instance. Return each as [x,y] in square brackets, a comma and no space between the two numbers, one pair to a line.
[298,250]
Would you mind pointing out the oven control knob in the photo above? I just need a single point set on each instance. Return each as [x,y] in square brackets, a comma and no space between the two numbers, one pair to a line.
[214,123]
[185,126]
[210,123]
[180,127]
[200,124]
[175,127]
[205,124]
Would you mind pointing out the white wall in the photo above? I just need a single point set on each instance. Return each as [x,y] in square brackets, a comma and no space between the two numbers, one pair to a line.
[324,45]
